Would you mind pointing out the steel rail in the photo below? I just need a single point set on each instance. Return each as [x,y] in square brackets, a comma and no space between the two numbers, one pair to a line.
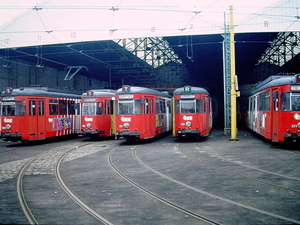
[22,200]
[208,150]
[72,195]
[195,215]
[20,191]
[241,175]
[217,197]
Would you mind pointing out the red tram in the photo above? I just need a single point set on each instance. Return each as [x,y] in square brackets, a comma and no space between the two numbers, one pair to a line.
[36,113]
[97,116]
[192,112]
[142,113]
[273,109]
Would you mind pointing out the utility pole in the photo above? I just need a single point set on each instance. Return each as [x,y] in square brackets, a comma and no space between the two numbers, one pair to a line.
[234,93]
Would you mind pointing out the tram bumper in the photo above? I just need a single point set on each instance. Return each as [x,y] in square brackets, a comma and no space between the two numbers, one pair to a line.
[12,136]
[188,133]
[127,134]
[92,133]
[291,136]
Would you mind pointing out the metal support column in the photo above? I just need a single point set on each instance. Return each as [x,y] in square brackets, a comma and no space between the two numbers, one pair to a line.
[234,93]
[226,78]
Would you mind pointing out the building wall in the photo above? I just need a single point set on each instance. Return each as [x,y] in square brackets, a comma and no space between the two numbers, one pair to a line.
[23,74]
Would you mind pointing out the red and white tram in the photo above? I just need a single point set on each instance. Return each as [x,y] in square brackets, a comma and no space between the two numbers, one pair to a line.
[192,112]
[97,116]
[142,113]
[273,109]
[36,113]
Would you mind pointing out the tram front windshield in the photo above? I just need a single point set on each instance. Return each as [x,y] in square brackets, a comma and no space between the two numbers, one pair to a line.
[127,107]
[16,108]
[188,106]
[92,108]
[290,101]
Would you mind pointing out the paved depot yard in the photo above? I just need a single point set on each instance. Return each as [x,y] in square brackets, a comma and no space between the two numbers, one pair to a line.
[246,182]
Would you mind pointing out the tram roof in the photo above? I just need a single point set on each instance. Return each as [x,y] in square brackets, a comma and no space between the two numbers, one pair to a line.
[142,90]
[43,91]
[276,80]
[101,92]
[193,90]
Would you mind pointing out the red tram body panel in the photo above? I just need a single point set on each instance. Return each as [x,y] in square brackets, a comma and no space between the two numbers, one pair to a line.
[36,113]
[273,109]
[97,116]
[142,113]
[192,112]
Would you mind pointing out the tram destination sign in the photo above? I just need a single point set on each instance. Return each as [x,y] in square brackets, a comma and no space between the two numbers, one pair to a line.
[126,96]
[187,96]
[9,98]
[89,99]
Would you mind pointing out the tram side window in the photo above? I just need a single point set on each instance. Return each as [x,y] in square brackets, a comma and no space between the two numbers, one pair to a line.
[107,108]
[32,108]
[285,101]
[168,106]
[99,108]
[252,103]
[138,107]
[157,105]
[204,106]
[290,101]
[295,100]
[112,107]
[162,104]
[151,106]
[53,107]
[198,106]
[20,108]
[146,106]
[63,107]
[177,104]
[126,107]
[275,101]
[77,108]
[264,101]
[71,107]
[41,108]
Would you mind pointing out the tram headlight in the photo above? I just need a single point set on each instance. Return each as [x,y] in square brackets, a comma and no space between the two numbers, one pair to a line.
[298,125]
[88,126]
[8,127]
[126,125]
[188,123]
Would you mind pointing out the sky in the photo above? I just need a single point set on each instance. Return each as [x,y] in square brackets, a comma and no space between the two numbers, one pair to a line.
[12,8]
[66,21]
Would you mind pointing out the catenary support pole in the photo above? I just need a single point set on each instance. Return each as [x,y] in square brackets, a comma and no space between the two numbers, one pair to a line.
[233,92]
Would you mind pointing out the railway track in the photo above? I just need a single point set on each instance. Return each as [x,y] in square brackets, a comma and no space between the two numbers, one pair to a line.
[216,196]
[22,199]
[88,209]
[243,165]
[167,175]
[162,199]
